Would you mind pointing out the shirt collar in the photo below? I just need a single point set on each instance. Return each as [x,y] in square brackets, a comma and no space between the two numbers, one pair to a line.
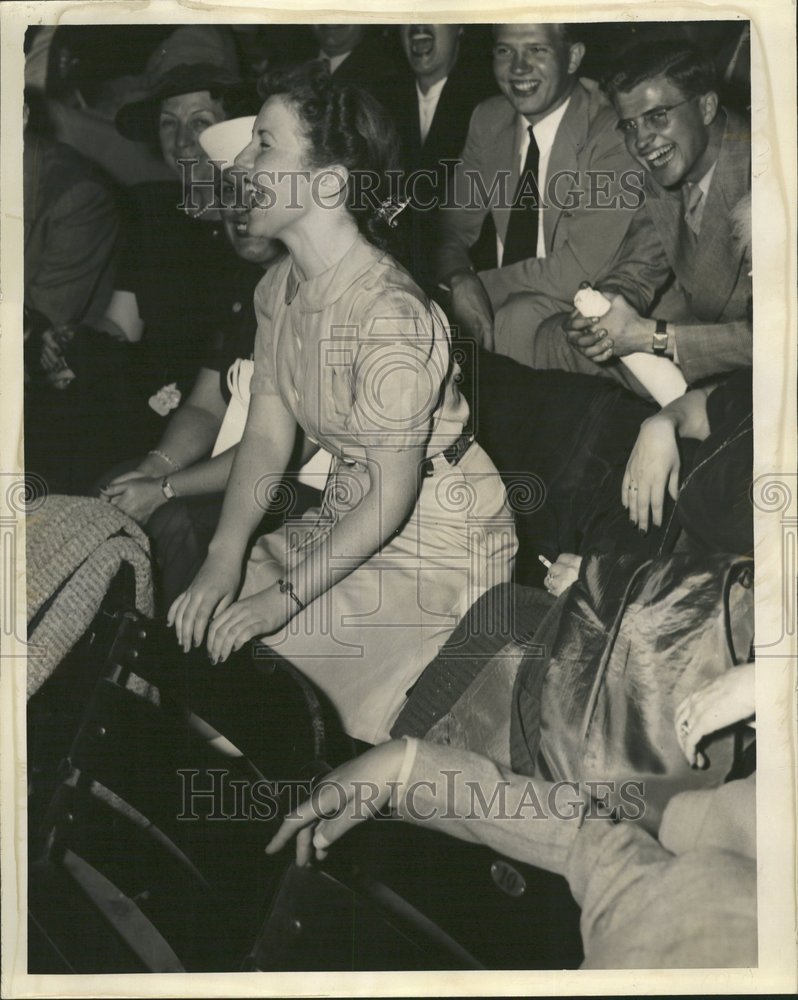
[326,288]
[546,129]
[706,180]
[334,61]
[434,92]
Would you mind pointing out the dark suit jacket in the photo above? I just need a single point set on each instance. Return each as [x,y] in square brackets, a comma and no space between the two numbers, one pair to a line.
[714,278]
[429,167]
[462,92]
[369,66]
[583,235]
[71,228]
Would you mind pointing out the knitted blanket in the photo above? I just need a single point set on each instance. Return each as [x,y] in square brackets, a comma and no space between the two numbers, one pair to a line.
[74,548]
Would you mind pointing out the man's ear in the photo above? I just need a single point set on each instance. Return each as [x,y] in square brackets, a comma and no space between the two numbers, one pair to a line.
[709,106]
[575,56]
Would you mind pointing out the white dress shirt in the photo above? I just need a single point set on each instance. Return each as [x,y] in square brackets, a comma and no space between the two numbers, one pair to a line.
[427,103]
[545,132]
[334,61]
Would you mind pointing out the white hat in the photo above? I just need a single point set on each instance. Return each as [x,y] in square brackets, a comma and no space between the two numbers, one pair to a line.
[224,141]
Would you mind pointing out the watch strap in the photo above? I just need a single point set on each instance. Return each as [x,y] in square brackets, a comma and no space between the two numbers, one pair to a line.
[659,339]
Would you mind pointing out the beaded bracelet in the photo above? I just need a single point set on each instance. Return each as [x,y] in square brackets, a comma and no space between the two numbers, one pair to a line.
[286,587]
[166,458]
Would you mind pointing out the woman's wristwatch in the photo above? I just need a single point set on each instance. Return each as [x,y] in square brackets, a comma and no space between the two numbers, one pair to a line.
[659,339]
[167,489]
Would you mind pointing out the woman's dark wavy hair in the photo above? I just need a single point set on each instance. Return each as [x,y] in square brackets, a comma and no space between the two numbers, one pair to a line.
[684,65]
[344,125]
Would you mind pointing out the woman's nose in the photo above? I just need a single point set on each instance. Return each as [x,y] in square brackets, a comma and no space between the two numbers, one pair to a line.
[185,136]
[245,158]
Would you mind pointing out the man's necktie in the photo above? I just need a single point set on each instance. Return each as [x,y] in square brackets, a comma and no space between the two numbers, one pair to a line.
[693,196]
[522,231]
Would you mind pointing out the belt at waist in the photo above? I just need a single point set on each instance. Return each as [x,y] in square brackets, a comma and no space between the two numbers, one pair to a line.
[451,455]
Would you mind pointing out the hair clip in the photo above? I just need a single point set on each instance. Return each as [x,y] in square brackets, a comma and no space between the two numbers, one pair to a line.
[389,209]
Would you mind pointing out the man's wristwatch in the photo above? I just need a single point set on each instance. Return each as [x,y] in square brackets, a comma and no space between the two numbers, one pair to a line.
[659,339]
[167,489]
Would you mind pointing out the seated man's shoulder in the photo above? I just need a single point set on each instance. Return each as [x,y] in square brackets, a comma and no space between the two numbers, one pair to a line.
[61,168]
[601,115]
[493,114]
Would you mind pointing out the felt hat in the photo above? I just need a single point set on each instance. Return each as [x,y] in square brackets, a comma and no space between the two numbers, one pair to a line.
[193,58]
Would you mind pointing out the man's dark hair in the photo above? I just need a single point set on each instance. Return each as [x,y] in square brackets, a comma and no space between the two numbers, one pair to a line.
[684,65]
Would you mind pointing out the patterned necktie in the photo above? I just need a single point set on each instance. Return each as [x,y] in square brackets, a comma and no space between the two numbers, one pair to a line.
[692,213]
[522,231]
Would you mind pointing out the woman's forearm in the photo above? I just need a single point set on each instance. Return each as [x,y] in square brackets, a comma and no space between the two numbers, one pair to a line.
[189,437]
[209,476]
[688,413]
[389,500]
[191,431]
[262,455]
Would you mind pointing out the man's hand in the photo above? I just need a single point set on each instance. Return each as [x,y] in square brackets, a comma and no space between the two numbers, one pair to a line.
[587,336]
[471,308]
[139,496]
[347,796]
[621,330]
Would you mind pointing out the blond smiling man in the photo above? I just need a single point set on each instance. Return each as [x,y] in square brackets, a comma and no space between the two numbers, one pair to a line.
[544,159]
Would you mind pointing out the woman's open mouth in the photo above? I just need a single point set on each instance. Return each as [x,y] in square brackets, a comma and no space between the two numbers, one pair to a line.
[255,198]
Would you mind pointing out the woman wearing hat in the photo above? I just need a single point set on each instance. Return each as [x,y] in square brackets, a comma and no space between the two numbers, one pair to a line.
[350,356]
[177,273]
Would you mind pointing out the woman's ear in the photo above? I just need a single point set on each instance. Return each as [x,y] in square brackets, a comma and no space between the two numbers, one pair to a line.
[331,185]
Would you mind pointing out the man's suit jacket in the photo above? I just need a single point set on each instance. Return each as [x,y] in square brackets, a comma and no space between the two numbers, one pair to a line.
[713,328]
[436,156]
[462,92]
[370,66]
[71,228]
[584,229]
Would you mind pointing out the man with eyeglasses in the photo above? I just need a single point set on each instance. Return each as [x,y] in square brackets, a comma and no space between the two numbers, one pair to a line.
[545,164]
[697,157]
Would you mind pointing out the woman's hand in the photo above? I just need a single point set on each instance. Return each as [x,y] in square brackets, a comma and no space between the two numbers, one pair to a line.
[212,590]
[716,704]
[347,796]
[260,614]
[139,496]
[653,465]
[563,573]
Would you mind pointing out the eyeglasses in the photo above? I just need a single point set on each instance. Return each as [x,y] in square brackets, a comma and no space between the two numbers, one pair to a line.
[656,119]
